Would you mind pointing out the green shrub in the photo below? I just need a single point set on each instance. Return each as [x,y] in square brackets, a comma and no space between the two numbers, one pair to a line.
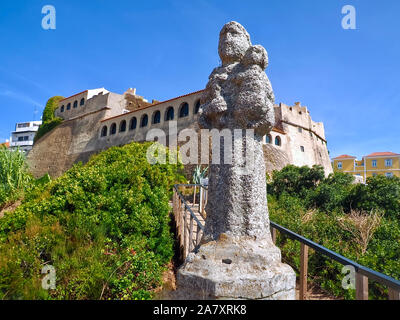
[317,208]
[104,226]
[295,180]
[51,106]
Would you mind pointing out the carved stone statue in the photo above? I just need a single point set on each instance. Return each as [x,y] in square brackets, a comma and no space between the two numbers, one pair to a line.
[236,257]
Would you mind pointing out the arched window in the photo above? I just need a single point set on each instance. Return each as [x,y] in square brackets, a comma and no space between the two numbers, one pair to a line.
[113,129]
[169,115]
[156,117]
[68,106]
[268,138]
[122,126]
[184,110]
[104,131]
[197,107]
[133,124]
[145,121]
[62,108]
[278,141]
[82,101]
[75,104]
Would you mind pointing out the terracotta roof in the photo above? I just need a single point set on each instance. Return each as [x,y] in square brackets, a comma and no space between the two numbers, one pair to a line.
[73,95]
[152,105]
[377,154]
[345,156]
[6,144]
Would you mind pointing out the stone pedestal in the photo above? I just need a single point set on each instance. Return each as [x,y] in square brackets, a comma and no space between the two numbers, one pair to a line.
[236,268]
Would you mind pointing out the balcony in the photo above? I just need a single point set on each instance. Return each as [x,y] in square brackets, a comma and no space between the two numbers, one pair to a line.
[21,143]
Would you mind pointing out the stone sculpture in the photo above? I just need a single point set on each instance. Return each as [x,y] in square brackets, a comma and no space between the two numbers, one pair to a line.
[237,258]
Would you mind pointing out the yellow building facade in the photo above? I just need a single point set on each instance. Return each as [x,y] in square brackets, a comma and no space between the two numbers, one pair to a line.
[377,163]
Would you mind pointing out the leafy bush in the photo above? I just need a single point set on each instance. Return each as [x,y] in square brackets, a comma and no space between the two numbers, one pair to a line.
[14,175]
[324,210]
[104,226]
[51,106]
[49,120]
[296,180]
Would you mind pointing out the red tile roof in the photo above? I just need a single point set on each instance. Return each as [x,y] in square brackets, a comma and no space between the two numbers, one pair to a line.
[6,144]
[344,156]
[152,105]
[387,153]
[73,95]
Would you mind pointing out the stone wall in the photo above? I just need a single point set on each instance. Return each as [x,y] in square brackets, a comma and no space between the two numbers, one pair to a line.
[80,137]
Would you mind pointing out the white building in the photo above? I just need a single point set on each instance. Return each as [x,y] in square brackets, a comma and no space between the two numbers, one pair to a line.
[23,135]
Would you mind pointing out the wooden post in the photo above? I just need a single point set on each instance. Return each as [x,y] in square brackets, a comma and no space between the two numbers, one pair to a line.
[273,235]
[303,271]
[393,294]
[201,199]
[191,233]
[184,234]
[361,287]
[194,196]
[198,234]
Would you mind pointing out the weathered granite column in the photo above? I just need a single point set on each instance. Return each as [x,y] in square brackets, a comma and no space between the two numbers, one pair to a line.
[237,258]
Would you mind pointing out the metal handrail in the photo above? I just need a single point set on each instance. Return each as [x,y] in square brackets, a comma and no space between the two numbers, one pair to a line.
[380,277]
[372,274]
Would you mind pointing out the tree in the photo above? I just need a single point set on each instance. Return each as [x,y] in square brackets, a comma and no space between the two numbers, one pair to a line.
[296,180]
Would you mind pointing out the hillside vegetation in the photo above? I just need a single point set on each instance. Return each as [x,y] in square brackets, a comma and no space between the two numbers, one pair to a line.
[361,222]
[103,226]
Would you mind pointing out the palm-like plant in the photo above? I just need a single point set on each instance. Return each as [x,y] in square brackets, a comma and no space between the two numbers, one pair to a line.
[14,176]
[199,174]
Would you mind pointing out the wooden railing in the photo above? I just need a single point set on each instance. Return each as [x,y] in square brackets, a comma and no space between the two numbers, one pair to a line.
[188,225]
[190,230]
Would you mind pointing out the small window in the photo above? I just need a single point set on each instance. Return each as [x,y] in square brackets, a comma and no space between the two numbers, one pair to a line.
[302,148]
[104,131]
[26,138]
[20,138]
[340,165]
[388,162]
[268,138]
[62,108]
[122,126]
[68,106]
[75,104]
[277,141]
[133,124]
[374,163]
[184,110]
[156,117]
[82,101]
[145,121]
[300,129]
[169,115]
[113,129]
[389,174]
[197,107]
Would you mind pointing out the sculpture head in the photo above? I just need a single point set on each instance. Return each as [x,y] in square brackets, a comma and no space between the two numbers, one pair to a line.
[233,42]
[256,55]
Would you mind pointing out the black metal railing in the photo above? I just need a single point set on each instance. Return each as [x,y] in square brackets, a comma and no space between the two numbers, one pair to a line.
[188,242]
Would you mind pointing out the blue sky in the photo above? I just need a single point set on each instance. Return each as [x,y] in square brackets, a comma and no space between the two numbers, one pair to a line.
[349,79]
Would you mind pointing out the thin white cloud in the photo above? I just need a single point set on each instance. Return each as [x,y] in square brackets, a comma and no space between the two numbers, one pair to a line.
[21,97]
